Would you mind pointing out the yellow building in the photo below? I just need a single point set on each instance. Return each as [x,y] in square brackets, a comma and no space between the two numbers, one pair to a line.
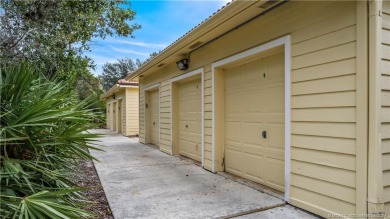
[122,108]
[293,95]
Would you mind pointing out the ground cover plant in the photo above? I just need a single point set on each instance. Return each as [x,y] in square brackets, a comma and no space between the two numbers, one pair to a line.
[43,134]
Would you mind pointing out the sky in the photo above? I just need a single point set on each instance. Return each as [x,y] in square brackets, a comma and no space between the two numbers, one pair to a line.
[162,21]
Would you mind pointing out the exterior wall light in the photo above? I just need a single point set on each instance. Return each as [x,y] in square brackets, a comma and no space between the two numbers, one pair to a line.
[183,64]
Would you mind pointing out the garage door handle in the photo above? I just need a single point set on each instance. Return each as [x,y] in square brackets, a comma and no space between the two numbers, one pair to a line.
[264,134]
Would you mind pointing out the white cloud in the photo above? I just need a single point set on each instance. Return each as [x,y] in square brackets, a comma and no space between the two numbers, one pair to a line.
[101,60]
[129,51]
[143,44]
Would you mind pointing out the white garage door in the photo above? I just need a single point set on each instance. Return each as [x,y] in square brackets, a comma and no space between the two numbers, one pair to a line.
[190,116]
[154,116]
[254,105]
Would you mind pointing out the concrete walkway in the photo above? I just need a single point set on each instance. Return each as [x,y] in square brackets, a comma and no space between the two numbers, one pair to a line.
[142,182]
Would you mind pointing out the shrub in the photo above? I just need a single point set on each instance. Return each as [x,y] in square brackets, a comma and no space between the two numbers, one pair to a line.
[43,133]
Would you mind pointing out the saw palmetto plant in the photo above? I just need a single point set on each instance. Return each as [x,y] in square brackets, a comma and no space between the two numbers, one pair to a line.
[43,134]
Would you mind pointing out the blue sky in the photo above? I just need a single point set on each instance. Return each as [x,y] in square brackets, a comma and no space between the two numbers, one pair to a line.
[162,21]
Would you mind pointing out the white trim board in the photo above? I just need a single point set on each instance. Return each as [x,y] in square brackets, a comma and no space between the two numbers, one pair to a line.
[129,86]
[151,87]
[182,77]
[283,41]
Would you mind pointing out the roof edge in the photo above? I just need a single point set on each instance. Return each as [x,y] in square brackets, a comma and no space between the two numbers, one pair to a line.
[210,23]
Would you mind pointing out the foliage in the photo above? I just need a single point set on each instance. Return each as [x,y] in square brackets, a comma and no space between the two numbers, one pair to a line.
[54,33]
[88,88]
[112,72]
[151,56]
[43,133]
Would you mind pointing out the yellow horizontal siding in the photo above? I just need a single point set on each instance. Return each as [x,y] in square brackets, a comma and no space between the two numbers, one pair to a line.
[339,68]
[386,20]
[165,117]
[340,83]
[331,54]
[323,143]
[124,115]
[108,115]
[323,115]
[325,41]
[142,116]
[316,199]
[328,129]
[337,114]
[333,190]
[325,173]
[132,111]
[207,146]
[341,99]
[323,100]
[385,102]
[386,178]
[330,159]
[207,120]
[340,20]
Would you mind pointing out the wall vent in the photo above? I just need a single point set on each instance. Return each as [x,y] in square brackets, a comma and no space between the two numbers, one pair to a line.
[195,45]
[268,4]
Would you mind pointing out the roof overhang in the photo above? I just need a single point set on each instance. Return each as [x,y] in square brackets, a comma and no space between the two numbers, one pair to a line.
[115,89]
[221,22]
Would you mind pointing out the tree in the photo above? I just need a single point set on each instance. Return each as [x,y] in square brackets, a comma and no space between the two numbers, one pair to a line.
[112,72]
[153,54]
[89,89]
[53,33]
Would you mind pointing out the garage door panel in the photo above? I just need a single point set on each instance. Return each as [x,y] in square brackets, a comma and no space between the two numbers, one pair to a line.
[189,148]
[253,164]
[233,131]
[275,173]
[190,137]
[252,72]
[275,100]
[275,68]
[231,80]
[254,102]
[275,136]
[154,116]
[274,153]
[275,118]
[231,100]
[233,117]
[190,127]
[190,116]
[252,135]
[190,105]
[234,161]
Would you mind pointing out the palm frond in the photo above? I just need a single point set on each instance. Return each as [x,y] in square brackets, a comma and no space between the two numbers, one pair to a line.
[43,134]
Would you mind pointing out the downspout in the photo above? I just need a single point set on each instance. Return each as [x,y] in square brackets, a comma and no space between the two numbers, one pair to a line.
[375,197]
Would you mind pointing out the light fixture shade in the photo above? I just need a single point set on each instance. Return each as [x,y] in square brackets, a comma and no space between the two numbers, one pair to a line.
[182,64]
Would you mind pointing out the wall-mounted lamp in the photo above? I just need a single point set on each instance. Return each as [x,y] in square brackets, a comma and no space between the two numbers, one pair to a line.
[183,64]
[113,96]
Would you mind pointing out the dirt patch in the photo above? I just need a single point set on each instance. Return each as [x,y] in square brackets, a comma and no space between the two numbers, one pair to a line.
[87,177]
